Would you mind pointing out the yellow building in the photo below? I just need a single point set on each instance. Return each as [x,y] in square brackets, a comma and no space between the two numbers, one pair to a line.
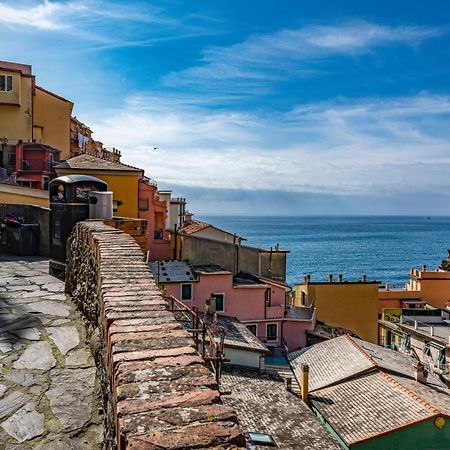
[30,113]
[343,304]
[432,287]
[122,179]
[21,195]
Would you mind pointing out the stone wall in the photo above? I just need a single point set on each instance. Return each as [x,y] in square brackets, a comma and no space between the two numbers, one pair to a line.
[31,214]
[158,393]
[232,257]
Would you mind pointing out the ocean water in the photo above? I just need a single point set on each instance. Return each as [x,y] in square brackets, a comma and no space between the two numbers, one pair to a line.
[382,247]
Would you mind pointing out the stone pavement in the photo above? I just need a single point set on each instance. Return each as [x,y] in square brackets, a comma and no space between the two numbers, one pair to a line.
[48,387]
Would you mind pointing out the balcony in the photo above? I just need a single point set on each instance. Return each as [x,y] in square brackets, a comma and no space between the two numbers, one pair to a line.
[38,165]
[291,312]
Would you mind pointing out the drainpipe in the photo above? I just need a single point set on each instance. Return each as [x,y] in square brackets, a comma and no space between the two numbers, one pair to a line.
[175,244]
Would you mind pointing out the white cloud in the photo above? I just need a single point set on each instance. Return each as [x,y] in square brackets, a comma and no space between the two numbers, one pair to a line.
[43,16]
[290,53]
[362,147]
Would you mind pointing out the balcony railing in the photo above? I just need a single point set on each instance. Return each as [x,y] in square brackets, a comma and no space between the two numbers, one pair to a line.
[38,165]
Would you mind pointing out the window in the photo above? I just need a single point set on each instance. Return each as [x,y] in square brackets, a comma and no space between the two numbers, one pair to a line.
[262,439]
[186,291]
[426,349]
[6,83]
[252,328]
[220,302]
[272,332]
[143,204]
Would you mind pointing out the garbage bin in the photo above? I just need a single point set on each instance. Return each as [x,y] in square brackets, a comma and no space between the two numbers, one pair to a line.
[69,204]
[22,238]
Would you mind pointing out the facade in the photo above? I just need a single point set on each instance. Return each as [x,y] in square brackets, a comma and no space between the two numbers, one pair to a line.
[262,304]
[122,180]
[153,210]
[176,208]
[372,398]
[35,164]
[343,304]
[432,287]
[423,331]
[82,142]
[30,113]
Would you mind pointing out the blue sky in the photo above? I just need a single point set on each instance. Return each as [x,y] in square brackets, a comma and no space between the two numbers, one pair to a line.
[257,107]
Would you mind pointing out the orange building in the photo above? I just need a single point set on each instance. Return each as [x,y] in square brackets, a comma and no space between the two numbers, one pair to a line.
[154,211]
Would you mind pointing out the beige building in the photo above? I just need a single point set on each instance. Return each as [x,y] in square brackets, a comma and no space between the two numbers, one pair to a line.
[30,113]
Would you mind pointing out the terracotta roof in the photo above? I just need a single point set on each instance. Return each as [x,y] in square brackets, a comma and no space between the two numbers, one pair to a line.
[89,162]
[263,405]
[197,225]
[330,362]
[369,405]
[194,227]
[363,389]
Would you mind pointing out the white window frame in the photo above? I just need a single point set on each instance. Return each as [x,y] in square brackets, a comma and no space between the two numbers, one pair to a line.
[267,334]
[181,292]
[223,296]
[6,90]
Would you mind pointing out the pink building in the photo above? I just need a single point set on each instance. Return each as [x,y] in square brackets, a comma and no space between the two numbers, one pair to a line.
[259,302]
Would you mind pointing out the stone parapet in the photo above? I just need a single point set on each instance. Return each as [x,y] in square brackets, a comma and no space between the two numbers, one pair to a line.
[157,391]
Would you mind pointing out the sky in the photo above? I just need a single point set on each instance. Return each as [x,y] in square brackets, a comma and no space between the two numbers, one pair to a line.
[262,107]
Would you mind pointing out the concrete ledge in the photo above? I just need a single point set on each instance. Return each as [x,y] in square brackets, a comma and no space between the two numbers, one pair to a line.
[158,393]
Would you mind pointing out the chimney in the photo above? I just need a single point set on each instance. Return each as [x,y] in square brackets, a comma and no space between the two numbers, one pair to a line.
[388,286]
[307,278]
[431,331]
[424,268]
[420,372]
[364,278]
[304,381]
[188,217]
[340,278]
[330,278]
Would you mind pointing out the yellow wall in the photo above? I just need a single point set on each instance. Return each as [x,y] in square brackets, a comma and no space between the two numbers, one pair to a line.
[124,186]
[432,287]
[348,305]
[23,195]
[51,121]
[16,109]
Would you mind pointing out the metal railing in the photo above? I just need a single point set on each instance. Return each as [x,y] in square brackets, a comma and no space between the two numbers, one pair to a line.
[208,340]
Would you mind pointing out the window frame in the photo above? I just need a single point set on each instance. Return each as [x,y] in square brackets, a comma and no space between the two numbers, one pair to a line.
[248,325]
[6,90]
[223,300]
[181,292]
[267,332]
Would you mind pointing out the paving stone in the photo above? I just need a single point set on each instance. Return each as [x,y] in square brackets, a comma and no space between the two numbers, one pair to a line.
[23,377]
[48,307]
[65,338]
[37,356]
[17,322]
[3,389]
[28,288]
[12,403]
[77,358]
[32,334]
[54,287]
[59,297]
[58,322]
[25,424]
[42,279]
[5,347]
[70,396]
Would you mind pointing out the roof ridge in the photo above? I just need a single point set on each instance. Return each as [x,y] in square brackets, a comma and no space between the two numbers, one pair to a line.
[362,351]
[410,393]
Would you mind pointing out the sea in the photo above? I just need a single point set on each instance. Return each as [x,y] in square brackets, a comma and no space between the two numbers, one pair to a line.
[382,247]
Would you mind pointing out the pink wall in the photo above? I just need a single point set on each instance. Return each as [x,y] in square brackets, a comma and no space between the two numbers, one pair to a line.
[247,304]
